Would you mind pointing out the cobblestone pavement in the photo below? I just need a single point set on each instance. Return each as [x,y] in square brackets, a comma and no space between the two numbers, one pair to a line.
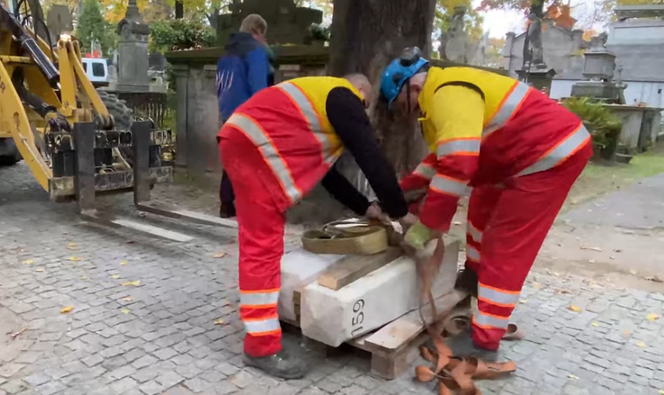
[152,317]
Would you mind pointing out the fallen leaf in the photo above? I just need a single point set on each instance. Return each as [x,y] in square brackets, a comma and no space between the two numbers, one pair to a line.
[123,263]
[128,299]
[595,324]
[573,377]
[652,317]
[457,223]
[574,308]
[72,246]
[84,278]
[641,344]
[626,332]
[562,291]
[523,301]
[132,283]
[125,311]
[633,272]
[618,251]
[130,242]
[591,260]
[592,248]
[219,255]
[28,262]
[17,334]
[661,392]
[654,279]
[537,285]
[219,322]
[75,259]
[40,270]
[67,309]
[115,276]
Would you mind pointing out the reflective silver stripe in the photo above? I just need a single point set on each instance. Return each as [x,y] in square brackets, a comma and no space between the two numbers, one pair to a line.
[474,234]
[473,254]
[510,105]
[497,297]
[311,116]
[558,154]
[489,320]
[449,186]
[259,299]
[269,151]
[262,326]
[426,171]
[458,146]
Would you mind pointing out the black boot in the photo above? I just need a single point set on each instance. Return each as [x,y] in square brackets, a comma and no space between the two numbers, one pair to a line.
[467,281]
[227,211]
[280,365]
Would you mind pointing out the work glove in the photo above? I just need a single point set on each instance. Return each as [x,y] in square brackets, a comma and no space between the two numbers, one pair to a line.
[374,212]
[418,236]
[407,222]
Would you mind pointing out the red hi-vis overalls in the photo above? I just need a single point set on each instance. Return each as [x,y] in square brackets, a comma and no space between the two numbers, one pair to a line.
[275,148]
[520,152]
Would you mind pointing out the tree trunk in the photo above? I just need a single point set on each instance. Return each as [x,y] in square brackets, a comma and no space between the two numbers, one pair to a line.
[366,35]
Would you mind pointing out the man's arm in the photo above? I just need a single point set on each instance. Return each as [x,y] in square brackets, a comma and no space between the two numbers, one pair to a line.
[258,69]
[459,123]
[347,115]
[422,175]
[344,192]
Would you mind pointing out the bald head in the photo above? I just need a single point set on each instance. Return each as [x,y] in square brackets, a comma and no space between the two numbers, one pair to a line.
[362,84]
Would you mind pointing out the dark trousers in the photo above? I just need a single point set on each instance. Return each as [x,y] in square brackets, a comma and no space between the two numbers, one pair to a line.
[226,195]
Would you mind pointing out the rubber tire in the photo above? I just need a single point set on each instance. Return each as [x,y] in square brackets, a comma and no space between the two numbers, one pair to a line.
[123,117]
[10,154]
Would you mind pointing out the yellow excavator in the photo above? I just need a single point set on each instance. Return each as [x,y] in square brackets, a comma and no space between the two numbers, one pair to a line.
[53,118]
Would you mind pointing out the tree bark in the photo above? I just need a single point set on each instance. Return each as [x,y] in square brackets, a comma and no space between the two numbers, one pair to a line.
[366,36]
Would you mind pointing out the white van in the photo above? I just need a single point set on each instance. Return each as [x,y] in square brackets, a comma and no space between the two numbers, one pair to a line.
[97,71]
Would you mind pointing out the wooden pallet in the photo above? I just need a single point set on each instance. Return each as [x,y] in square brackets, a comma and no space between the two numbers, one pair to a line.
[394,347]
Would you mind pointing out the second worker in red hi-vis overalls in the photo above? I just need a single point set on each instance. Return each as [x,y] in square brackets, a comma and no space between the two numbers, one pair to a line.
[518,150]
[275,148]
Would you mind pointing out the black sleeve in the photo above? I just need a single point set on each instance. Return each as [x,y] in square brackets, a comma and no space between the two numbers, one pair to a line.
[343,191]
[347,115]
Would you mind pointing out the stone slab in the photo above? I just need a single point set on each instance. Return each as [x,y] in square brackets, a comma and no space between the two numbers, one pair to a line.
[334,317]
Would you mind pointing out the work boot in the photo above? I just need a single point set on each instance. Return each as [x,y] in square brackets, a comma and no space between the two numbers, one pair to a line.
[463,345]
[280,365]
[467,281]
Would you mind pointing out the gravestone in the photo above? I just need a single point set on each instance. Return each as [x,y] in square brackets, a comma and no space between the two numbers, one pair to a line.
[598,69]
[59,21]
[133,52]
[287,23]
[455,39]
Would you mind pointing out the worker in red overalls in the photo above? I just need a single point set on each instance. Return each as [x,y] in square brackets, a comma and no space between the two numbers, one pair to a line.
[275,148]
[518,150]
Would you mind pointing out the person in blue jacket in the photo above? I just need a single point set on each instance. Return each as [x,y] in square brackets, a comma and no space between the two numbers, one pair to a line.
[244,69]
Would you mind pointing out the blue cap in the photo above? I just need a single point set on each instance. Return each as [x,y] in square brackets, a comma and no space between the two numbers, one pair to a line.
[399,71]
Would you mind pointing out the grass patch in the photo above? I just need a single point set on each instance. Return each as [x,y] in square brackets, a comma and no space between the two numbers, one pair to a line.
[597,180]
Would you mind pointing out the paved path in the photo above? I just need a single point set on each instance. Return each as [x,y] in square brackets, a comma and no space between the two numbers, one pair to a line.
[178,332]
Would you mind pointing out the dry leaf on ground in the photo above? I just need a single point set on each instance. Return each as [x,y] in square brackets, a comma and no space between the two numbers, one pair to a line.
[66,310]
[125,311]
[75,259]
[574,308]
[123,263]
[641,344]
[652,317]
[28,261]
[595,324]
[17,334]
[219,322]
[627,332]
[115,276]
[573,377]
[219,255]
[128,299]
[537,285]
[523,301]
[132,283]
[40,270]
[72,246]
[633,272]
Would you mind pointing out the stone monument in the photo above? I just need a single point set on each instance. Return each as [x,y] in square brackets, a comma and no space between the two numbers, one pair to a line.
[598,69]
[287,23]
[133,52]
[454,40]
[59,21]
[535,71]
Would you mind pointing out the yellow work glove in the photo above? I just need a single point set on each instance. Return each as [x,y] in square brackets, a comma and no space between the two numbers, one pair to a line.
[418,235]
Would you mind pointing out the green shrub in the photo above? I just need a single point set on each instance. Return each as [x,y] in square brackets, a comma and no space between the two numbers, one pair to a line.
[180,34]
[603,125]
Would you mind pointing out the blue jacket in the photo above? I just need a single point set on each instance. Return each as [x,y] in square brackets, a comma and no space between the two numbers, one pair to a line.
[241,72]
